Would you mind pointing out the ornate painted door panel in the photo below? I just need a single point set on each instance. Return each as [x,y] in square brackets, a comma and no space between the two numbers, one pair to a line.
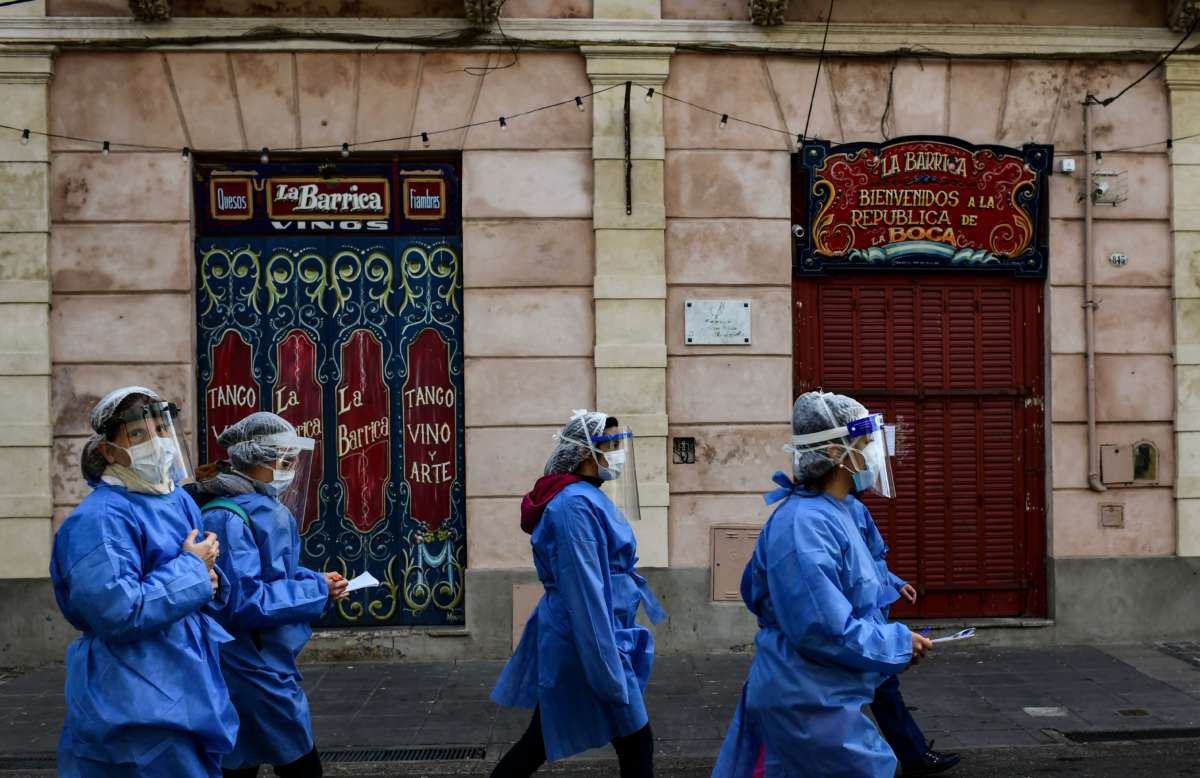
[358,342]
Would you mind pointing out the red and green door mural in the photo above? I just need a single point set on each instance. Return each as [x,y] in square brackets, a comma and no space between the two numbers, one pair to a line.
[331,294]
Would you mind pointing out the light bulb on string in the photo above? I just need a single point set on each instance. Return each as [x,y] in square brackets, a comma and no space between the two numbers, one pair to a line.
[579,104]
[265,157]
[503,123]
[724,121]
[1099,157]
[105,148]
[345,150]
[186,153]
[649,94]
[425,139]
[24,137]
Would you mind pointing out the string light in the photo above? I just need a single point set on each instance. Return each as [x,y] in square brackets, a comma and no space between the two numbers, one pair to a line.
[650,92]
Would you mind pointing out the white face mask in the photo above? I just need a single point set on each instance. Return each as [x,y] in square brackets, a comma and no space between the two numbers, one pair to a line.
[281,480]
[616,465]
[152,460]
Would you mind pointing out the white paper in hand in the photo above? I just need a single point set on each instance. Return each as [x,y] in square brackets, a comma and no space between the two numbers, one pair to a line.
[969,632]
[362,582]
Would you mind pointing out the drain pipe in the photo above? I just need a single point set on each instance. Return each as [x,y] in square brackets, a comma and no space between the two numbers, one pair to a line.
[1089,301]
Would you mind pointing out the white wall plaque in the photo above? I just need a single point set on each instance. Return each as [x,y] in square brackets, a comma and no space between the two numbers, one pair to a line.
[716,322]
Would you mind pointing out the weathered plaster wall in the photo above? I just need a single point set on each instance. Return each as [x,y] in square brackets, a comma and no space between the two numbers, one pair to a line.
[728,236]
[1145,13]
[121,256]
[396,9]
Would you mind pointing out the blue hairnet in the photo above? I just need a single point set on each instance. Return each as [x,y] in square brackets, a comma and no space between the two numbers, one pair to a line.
[816,412]
[244,439]
[574,442]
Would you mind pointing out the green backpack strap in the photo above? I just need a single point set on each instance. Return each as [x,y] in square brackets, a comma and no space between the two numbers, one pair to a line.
[220,504]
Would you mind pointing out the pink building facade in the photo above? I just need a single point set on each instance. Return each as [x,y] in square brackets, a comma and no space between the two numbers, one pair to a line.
[566,298]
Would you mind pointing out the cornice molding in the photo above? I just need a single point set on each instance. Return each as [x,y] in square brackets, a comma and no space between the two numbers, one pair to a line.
[959,40]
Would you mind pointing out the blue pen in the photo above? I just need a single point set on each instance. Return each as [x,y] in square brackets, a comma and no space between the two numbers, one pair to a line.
[925,632]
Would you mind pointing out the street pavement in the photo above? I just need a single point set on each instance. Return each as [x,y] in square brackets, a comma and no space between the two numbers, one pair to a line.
[1055,710]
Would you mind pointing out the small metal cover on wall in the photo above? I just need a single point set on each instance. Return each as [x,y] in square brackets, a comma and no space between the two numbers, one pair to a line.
[716,322]
[732,546]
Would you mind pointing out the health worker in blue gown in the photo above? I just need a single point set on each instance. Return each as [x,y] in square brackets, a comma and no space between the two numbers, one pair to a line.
[145,694]
[583,661]
[252,504]
[823,644]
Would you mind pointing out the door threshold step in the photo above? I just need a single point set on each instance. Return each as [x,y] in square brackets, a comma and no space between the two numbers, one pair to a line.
[992,623]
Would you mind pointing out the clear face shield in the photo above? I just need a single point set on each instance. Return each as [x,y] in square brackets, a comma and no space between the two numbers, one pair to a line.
[291,473]
[613,453]
[155,443]
[868,457]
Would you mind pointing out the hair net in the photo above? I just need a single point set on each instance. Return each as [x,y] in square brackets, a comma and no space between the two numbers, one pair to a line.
[815,412]
[104,411]
[244,440]
[573,442]
[92,463]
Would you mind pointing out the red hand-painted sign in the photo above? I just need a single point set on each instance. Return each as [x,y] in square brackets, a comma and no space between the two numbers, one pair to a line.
[430,425]
[231,393]
[363,430]
[297,398]
[922,201]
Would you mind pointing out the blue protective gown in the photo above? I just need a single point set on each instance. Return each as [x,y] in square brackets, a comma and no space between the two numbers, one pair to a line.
[144,690]
[879,551]
[272,601]
[582,657]
[822,647]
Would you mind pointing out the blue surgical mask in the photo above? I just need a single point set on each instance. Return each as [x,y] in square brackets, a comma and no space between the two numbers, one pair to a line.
[863,480]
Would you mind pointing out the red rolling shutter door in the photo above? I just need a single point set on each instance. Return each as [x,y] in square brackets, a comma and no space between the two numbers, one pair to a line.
[956,362]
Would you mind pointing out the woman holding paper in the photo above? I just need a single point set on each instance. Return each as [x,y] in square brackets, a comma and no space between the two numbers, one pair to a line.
[252,508]
[823,645]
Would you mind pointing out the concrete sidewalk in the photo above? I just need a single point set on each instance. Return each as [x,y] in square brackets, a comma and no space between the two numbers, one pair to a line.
[965,697]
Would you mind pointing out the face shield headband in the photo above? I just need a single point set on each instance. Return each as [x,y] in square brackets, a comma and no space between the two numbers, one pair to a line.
[875,472]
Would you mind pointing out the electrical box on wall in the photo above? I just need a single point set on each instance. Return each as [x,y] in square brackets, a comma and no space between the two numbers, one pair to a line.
[1132,464]
[524,599]
[732,545]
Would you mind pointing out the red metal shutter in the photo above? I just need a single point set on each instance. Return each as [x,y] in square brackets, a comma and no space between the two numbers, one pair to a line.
[956,363]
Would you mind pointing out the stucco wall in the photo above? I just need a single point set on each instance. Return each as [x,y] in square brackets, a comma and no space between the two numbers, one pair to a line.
[548,9]
[121,254]
[727,205]
[1092,12]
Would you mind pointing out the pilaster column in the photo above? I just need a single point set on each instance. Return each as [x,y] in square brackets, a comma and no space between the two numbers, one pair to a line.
[630,287]
[25,429]
[1183,84]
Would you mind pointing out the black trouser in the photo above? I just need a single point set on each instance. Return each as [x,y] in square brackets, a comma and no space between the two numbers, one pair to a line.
[896,724]
[307,766]
[635,753]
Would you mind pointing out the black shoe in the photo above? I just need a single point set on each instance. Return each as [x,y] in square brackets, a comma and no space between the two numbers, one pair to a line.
[931,763]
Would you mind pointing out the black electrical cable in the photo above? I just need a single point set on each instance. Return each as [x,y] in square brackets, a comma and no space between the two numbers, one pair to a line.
[1162,60]
[817,77]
